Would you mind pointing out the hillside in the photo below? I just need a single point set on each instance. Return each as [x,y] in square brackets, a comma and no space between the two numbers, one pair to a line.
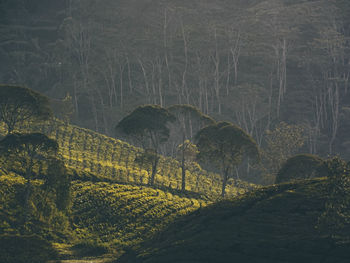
[274,224]
[112,207]
[97,157]
[105,218]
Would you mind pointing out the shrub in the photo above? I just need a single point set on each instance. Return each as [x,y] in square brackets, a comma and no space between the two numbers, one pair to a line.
[301,166]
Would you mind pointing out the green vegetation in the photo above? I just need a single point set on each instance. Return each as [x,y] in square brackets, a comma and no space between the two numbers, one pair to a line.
[147,125]
[223,146]
[334,222]
[272,224]
[124,215]
[19,104]
[104,217]
[97,157]
[301,166]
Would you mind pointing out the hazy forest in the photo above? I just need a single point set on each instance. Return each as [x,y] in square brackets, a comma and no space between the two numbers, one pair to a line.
[174,131]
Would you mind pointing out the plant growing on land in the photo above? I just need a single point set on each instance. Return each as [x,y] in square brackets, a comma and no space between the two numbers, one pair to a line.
[29,150]
[225,145]
[301,166]
[19,104]
[336,216]
[187,153]
[147,125]
[281,143]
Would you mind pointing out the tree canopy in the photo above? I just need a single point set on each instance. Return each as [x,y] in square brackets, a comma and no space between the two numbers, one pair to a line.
[20,104]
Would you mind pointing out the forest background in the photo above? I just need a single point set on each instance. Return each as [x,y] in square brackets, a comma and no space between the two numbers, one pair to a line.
[278,69]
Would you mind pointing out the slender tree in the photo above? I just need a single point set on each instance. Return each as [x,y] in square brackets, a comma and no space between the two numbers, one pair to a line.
[186,154]
[189,120]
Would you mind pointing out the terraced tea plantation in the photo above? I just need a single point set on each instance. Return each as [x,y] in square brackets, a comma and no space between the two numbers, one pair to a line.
[105,218]
[124,215]
[112,159]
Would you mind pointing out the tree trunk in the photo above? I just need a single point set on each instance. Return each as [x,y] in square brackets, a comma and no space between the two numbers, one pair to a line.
[224,183]
[26,199]
[183,169]
[154,171]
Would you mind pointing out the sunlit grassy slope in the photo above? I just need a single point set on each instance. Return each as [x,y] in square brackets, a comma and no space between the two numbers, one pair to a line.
[111,159]
[124,214]
[271,225]
[105,217]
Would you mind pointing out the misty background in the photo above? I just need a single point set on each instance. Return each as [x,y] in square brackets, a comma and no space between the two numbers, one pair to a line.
[256,63]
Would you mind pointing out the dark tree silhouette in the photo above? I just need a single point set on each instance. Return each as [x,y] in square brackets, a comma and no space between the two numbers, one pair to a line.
[224,145]
[148,126]
[57,182]
[29,150]
[20,104]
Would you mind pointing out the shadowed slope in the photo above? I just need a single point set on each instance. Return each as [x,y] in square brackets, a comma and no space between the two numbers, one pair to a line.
[275,224]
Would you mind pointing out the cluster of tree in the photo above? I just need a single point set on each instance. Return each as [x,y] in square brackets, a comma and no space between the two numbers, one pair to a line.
[25,152]
[220,145]
[255,63]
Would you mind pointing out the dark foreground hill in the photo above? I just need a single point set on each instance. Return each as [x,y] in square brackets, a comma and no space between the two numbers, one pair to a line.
[275,224]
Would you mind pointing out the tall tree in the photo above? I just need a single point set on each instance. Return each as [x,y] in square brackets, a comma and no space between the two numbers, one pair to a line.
[189,120]
[147,126]
[187,153]
[225,145]
[19,104]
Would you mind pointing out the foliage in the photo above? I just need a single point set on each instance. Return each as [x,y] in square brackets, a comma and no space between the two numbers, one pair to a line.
[148,125]
[276,60]
[63,109]
[281,143]
[58,182]
[91,156]
[301,166]
[29,150]
[124,215]
[225,145]
[186,153]
[335,218]
[19,104]
[45,219]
